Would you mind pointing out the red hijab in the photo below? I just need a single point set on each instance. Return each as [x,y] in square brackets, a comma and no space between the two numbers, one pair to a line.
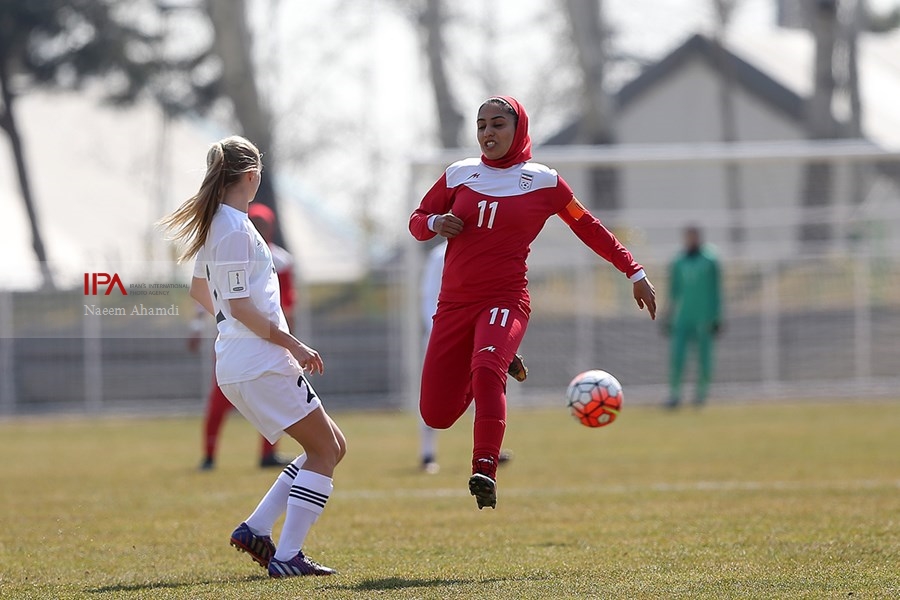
[520,149]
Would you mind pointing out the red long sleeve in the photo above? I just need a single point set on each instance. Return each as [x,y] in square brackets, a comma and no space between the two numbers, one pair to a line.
[437,201]
[286,286]
[503,211]
[598,238]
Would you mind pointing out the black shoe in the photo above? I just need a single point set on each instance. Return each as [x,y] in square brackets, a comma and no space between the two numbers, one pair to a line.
[484,489]
[483,482]
[208,464]
[273,460]
[517,368]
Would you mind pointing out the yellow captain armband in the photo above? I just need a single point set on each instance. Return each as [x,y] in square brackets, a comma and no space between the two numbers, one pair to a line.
[575,209]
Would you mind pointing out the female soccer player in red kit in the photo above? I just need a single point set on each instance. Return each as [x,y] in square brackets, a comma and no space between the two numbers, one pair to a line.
[491,209]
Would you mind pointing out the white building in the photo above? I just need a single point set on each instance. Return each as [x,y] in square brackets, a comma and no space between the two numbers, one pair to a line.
[677,101]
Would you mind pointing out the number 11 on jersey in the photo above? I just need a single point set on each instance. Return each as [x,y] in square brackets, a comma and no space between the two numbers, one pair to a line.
[504,315]
[481,210]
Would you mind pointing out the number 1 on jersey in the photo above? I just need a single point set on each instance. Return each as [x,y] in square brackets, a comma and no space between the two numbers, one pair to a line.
[504,315]
[481,209]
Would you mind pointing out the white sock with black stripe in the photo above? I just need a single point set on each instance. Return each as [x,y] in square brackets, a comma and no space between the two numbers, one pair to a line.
[305,503]
[275,501]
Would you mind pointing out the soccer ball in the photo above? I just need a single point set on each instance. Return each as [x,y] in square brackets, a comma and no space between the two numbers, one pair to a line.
[594,398]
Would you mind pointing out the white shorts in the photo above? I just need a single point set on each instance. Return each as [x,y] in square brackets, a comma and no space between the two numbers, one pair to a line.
[273,402]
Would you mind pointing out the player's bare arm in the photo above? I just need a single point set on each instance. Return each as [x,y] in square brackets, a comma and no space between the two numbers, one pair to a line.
[448,225]
[200,292]
[645,295]
[308,357]
[244,311]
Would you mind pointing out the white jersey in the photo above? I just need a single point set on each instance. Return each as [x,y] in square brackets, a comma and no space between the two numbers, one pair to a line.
[237,263]
[431,284]
[281,258]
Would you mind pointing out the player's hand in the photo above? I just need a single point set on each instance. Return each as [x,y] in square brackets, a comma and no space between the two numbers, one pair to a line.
[308,358]
[448,225]
[645,295]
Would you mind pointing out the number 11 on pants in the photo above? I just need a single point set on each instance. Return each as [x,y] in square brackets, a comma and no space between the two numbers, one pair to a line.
[504,315]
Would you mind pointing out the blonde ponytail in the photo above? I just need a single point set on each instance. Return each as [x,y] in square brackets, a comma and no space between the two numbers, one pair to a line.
[189,224]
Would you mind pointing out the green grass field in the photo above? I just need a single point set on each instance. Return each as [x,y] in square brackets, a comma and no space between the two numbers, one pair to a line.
[773,501]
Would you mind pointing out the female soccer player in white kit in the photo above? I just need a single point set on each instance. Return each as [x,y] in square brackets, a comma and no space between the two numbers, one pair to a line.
[259,364]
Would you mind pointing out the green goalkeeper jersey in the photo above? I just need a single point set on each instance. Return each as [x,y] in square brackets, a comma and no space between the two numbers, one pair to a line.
[694,291]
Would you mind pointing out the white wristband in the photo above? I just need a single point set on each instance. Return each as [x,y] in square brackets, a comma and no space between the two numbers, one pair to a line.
[431,221]
[637,276]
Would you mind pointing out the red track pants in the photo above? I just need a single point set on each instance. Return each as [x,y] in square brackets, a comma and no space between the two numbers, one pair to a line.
[469,351]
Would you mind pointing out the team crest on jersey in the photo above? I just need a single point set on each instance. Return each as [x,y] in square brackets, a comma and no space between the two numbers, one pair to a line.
[525,182]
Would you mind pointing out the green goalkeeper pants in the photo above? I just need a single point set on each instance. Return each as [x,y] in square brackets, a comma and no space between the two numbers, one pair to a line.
[684,337]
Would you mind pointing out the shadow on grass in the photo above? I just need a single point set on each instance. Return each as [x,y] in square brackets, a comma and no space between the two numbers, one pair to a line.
[399,583]
[164,585]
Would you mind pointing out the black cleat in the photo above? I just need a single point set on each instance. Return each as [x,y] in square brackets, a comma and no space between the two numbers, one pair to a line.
[517,368]
[484,489]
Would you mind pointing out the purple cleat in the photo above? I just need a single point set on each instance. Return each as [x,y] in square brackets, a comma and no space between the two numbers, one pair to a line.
[298,566]
[260,547]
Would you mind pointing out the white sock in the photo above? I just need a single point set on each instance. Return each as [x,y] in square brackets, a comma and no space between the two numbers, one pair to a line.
[275,501]
[429,440]
[305,503]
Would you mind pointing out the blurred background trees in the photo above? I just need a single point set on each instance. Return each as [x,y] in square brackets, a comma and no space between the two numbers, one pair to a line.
[63,44]
[431,19]
[591,43]
[129,49]
[316,99]
[233,45]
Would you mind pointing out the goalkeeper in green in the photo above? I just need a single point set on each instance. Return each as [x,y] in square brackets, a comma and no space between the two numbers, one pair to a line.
[694,315]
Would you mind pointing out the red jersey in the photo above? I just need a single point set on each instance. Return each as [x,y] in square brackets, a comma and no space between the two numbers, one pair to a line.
[284,268]
[503,211]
